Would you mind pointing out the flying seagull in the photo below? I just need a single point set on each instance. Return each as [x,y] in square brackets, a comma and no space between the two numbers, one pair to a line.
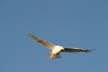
[56,49]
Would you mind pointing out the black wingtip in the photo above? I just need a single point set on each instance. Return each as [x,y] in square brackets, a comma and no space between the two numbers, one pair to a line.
[90,50]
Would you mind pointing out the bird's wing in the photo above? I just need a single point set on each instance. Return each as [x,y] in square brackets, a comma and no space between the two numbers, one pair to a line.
[41,41]
[75,50]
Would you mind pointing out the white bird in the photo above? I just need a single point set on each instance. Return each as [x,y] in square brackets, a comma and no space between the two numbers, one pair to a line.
[56,49]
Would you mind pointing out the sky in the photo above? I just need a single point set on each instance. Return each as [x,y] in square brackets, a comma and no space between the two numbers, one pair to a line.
[70,23]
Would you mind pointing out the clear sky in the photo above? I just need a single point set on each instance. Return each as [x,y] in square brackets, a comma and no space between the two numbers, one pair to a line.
[71,23]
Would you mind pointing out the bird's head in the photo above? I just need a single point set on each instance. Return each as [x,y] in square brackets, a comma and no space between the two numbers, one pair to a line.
[54,56]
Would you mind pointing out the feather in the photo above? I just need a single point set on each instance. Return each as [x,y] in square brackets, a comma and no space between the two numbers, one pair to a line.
[75,50]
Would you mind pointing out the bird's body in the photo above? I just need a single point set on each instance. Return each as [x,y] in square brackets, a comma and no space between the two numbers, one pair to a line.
[56,49]
[55,52]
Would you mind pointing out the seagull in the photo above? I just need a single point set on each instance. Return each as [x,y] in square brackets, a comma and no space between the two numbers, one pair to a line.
[56,49]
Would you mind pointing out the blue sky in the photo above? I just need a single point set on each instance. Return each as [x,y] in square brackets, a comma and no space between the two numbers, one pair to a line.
[71,23]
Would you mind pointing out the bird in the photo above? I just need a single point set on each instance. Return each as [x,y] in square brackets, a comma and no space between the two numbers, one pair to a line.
[55,49]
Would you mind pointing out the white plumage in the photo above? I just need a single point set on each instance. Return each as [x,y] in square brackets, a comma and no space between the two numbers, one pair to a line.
[56,49]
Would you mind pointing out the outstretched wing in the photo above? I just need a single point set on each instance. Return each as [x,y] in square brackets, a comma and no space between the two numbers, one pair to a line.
[75,50]
[41,41]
